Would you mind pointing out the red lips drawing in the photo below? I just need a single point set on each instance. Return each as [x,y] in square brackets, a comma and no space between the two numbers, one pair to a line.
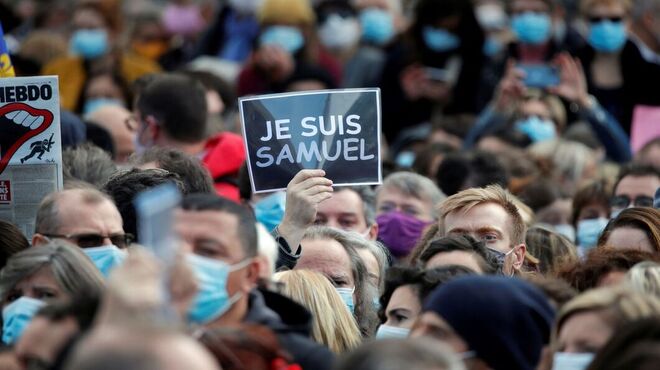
[18,124]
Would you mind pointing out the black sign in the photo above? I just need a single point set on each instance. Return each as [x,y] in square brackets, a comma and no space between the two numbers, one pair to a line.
[334,130]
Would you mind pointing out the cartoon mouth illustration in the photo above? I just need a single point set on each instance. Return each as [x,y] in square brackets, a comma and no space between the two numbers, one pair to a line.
[20,123]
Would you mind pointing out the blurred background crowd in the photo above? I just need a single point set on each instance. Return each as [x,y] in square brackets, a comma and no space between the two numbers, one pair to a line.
[517,226]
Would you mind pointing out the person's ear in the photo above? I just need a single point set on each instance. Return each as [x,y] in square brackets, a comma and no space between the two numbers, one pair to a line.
[39,239]
[373,232]
[519,251]
[153,129]
[253,270]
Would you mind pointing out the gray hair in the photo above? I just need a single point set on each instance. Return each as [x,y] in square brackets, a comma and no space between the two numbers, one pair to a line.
[414,185]
[364,291]
[395,354]
[74,272]
[48,218]
[368,197]
[87,163]
[377,249]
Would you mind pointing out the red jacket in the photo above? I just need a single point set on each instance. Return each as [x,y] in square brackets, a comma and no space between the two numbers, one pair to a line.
[225,153]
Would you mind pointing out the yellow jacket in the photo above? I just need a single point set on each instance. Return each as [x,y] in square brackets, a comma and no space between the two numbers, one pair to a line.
[72,75]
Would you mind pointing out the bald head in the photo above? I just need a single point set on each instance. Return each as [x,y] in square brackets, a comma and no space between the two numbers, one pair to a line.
[74,212]
[113,118]
[143,349]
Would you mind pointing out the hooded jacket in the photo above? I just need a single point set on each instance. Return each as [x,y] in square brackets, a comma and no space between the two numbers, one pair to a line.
[224,156]
[292,324]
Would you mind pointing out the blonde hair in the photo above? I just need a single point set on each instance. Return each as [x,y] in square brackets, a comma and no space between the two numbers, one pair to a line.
[333,325]
[644,277]
[618,306]
[467,199]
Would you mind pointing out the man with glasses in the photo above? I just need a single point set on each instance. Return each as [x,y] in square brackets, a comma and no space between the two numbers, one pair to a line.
[635,187]
[87,218]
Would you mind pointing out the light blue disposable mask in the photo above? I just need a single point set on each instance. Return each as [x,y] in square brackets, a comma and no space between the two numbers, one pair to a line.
[571,361]
[288,38]
[89,44]
[566,230]
[106,257]
[377,26]
[492,47]
[589,230]
[391,332]
[607,36]
[346,295]
[532,28]
[440,40]
[212,299]
[270,210]
[94,104]
[17,316]
[537,129]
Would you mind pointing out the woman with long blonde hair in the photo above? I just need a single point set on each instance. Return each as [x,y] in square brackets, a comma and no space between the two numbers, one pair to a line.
[333,325]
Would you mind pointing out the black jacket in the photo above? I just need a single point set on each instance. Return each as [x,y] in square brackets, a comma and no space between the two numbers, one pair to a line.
[292,324]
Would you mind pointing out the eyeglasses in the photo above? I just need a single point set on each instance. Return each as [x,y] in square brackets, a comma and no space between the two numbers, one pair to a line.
[95,240]
[600,19]
[623,201]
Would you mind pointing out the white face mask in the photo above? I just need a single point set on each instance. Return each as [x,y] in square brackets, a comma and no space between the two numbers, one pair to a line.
[339,33]
[391,332]
[491,17]
[571,361]
[246,6]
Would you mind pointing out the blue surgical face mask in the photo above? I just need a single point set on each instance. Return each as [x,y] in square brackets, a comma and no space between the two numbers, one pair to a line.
[106,257]
[288,38]
[212,299]
[607,36]
[89,44]
[537,129]
[377,26]
[94,104]
[270,210]
[16,317]
[440,40]
[571,361]
[391,332]
[566,230]
[589,230]
[532,28]
[492,46]
[346,295]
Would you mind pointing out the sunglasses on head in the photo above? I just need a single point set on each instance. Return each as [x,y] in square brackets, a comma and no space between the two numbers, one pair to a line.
[623,201]
[95,240]
[600,19]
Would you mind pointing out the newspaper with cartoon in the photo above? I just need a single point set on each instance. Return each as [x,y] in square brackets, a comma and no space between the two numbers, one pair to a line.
[30,147]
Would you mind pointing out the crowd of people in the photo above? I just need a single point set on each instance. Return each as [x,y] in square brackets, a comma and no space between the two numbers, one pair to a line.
[517,226]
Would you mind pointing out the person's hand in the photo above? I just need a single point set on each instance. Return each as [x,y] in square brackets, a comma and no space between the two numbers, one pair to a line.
[278,63]
[510,89]
[303,194]
[411,82]
[182,286]
[417,85]
[573,83]
[133,289]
